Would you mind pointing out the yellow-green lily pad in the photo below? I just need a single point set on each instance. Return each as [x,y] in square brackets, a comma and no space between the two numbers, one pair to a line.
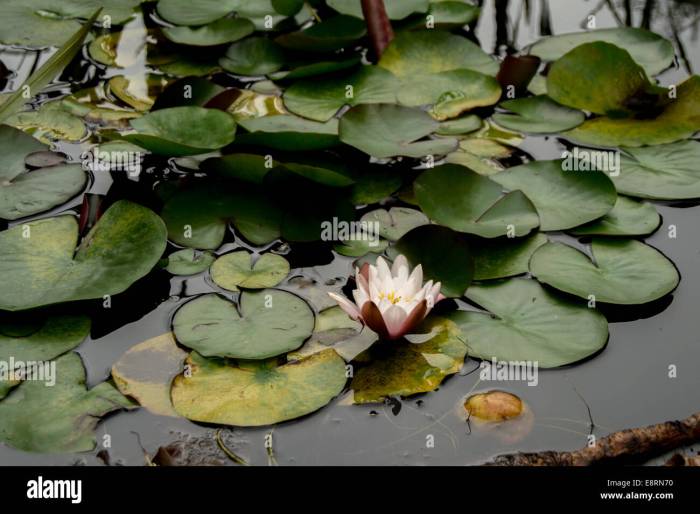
[239,269]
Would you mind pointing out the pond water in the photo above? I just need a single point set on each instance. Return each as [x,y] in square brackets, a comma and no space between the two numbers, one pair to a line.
[625,385]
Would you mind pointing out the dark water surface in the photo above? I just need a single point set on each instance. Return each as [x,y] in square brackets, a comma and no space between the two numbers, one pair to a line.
[626,385]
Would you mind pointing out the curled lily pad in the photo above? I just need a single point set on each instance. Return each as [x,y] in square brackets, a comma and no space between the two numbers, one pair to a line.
[41,265]
[223,30]
[538,114]
[396,221]
[395,9]
[237,269]
[257,394]
[25,193]
[138,91]
[494,406]
[564,199]
[464,125]
[189,261]
[456,197]
[146,370]
[623,271]
[58,419]
[289,133]
[505,257]
[402,368]
[270,322]
[628,217]
[327,36]
[253,56]
[384,130]
[445,256]
[180,131]
[320,99]
[525,322]
[653,52]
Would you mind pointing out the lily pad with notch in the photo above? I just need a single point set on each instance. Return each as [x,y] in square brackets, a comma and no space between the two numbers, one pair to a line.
[538,114]
[223,30]
[628,217]
[504,257]
[189,261]
[238,269]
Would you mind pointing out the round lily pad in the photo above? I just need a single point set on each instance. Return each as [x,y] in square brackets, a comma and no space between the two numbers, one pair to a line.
[179,131]
[224,30]
[253,56]
[360,247]
[396,221]
[538,114]
[270,322]
[458,198]
[627,218]
[395,9]
[525,322]
[289,133]
[195,12]
[327,36]
[40,265]
[237,269]
[623,271]
[464,125]
[49,122]
[384,130]
[257,394]
[189,261]
[564,199]
[504,257]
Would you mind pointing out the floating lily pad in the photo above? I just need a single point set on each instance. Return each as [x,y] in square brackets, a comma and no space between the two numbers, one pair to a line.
[241,166]
[623,272]
[58,419]
[271,322]
[384,130]
[525,322]
[257,394]
[146,371]
[320,99]
[288,7]
[396,221]
[289,133]
[315,69]
[596,77]
[373,184]
[564,199]
[661,172]
[653,52]
[627,218]
[494,406]
[504,257]
[40,265]
[444,14]
[327,36]
[224,30]
[445,255]
[538,114]
[189,261]
[138,91]
[195,12]
[458,198]
[237,269]
[50,122]
[395,9]
[253,56]
[25,193]
[360,247]
[680,119]
[180,131]
[464,125]
[402,368]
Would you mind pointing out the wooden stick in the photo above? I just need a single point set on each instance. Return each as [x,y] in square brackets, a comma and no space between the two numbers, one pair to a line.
[378,25]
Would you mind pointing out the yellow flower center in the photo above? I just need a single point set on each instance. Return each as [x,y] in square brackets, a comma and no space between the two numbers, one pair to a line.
[392,297]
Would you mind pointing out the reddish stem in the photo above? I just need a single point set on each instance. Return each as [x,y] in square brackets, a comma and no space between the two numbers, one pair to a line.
[378,25]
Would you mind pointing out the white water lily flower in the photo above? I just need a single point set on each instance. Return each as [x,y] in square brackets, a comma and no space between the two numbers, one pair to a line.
[391,302]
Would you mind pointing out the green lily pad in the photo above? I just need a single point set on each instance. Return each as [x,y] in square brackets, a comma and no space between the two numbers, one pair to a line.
[58,419]
[445,256]
[320,99]
[40,265]
[360,247]
[25,193]
[596,77]
[189,261]
[180,131]
[224,30]
[314,69]
[464,125]
[253,56]
[505,257]
[50,122]
[289,133]
[373,184]
[237,269]
[627,218]
[444,14]
[680,119]
[661,172]
[653,52]
[271,322]
[138,91]
[538,114]
[288,7]
[384,130]
[564,199]
[146,371]
[257,394]
[419,53]
[241,166]
[403,369]
[465,201]
[396,221]
[327,36]
[395,9]
[525,322]
[623,272]
[195,12]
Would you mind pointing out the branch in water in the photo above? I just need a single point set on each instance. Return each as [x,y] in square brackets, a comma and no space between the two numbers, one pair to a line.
[633,445]
[378,25]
